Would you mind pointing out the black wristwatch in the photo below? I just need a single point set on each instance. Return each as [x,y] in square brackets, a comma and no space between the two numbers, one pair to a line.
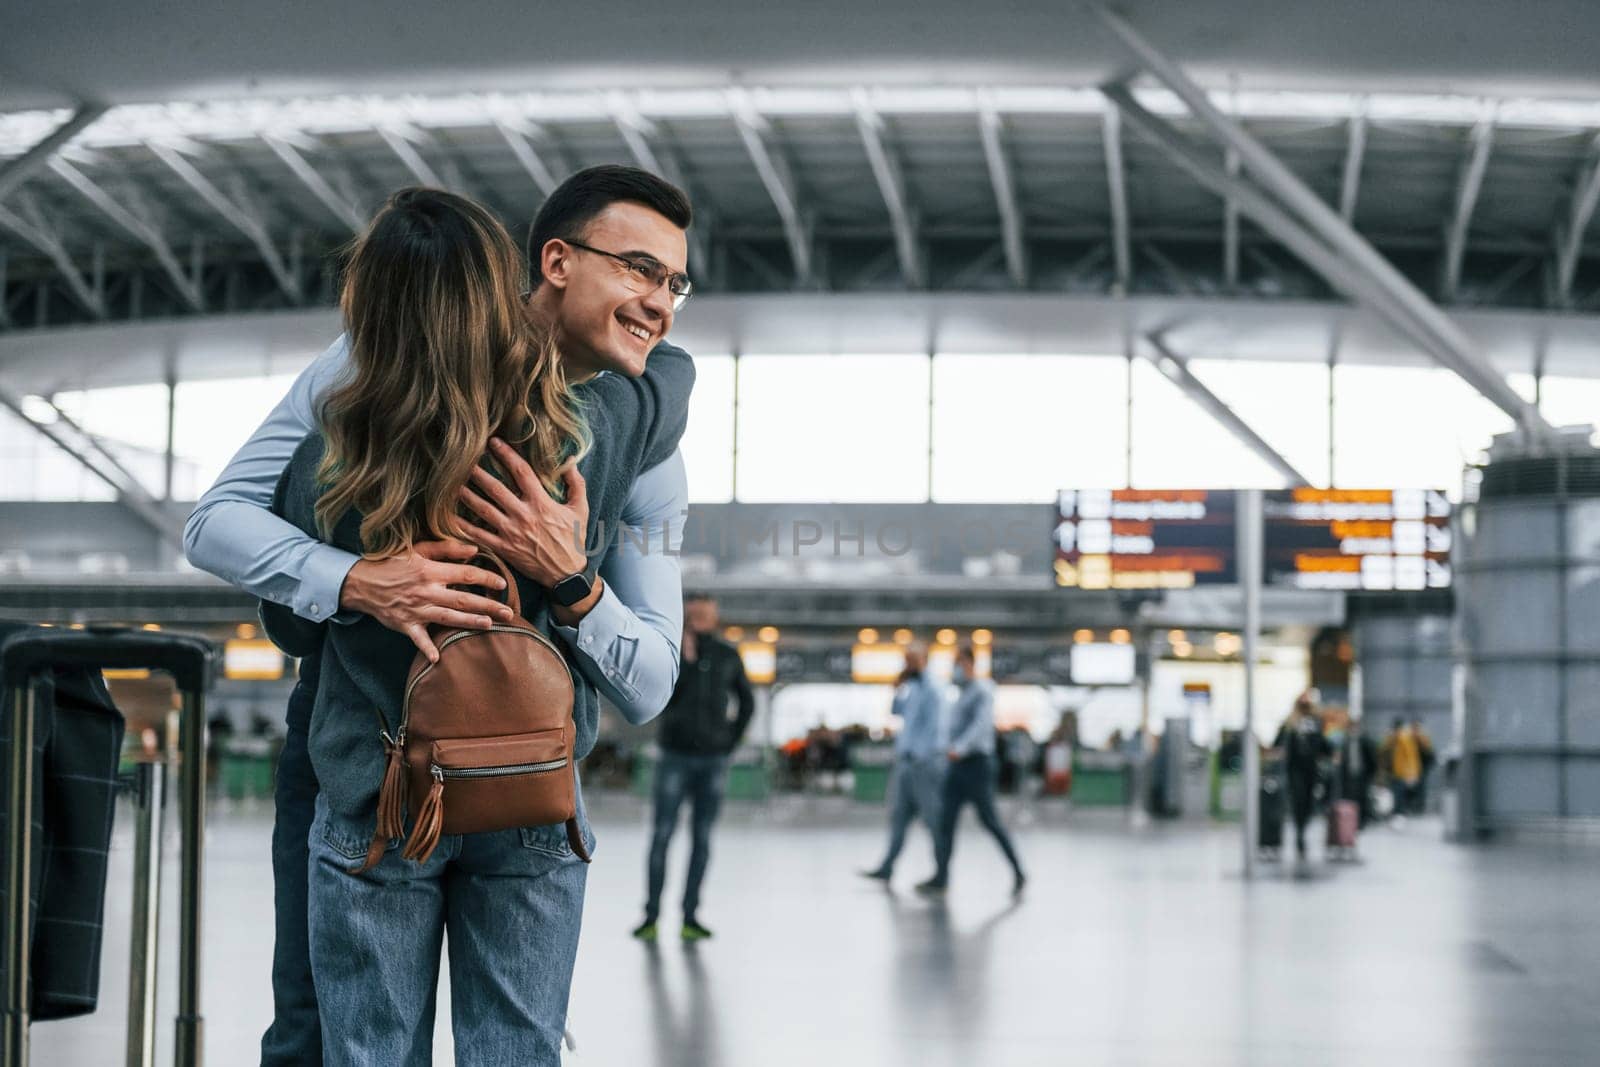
[571,589]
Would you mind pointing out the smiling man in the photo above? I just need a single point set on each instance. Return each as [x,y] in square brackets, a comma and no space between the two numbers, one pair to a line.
[607,257]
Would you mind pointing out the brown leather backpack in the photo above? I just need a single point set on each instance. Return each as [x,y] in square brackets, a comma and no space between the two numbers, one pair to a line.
[485,738]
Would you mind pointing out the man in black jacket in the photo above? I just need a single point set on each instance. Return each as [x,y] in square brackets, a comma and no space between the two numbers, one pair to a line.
[695,737]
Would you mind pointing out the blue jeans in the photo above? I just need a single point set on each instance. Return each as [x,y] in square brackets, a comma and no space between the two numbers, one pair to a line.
[914,793]
[702,780]
[970,781]
[512,901]
[295,1037]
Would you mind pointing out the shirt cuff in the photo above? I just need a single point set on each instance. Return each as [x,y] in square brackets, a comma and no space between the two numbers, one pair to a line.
[598,638]
[321,580]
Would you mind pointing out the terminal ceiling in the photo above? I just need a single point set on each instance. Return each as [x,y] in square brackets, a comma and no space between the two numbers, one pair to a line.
[797,171]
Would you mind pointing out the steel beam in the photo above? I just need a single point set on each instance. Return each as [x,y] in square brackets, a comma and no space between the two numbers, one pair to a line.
[1468,187]
[19,170]
[1274,220]
[246,222]
[1176,370]
[78,444]
[637,133]
[1230,227]
[399,143]
[1116,181]
[1450,345]
[342,209]
[518,139]
[890,176]
[1005,193]
[778,179]
[1585,197]
[142,228]
[47,241]
[1355,154]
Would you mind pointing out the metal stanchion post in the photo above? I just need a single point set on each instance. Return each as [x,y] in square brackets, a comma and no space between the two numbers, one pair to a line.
[19,871]
[145,946]
[190,1033]
[1250,563]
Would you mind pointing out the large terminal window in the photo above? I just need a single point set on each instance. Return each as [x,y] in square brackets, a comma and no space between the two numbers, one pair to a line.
[1405,427]
[833,428]
[1286,403]
[1016,428]
[708,439]
[1178,445]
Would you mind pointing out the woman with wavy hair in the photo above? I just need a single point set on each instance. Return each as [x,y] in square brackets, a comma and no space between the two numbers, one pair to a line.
[445,358]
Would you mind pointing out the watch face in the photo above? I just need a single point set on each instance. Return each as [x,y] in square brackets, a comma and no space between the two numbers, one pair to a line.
[570,590]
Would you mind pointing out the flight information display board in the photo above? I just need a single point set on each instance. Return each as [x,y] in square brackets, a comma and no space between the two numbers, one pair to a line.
[1356,539]
[1145,538]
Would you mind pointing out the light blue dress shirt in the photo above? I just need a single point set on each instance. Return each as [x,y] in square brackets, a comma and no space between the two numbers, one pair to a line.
[627,644]
[920,707]
[972,719]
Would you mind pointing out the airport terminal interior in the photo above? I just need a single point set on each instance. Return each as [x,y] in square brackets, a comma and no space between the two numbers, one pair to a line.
[1168,428]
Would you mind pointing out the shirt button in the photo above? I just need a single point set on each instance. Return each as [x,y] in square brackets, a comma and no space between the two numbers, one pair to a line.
[315,609]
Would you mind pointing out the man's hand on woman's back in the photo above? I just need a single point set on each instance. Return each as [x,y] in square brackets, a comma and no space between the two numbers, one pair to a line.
[409,593]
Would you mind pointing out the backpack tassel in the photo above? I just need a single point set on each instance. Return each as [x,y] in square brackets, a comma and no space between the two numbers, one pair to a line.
[391,804]
[392,794]
[430,820]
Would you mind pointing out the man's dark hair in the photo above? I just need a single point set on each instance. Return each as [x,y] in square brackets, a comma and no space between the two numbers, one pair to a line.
[965,651]
[698,598]
[576,202]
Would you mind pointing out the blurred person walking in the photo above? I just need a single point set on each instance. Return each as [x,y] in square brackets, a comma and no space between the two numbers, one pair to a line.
[1403,764]
[1358,767]
[970,778]
[919,765]
[696,737]
[1303,748]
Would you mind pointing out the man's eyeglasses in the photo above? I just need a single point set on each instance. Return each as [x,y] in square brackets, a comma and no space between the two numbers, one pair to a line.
[645,275]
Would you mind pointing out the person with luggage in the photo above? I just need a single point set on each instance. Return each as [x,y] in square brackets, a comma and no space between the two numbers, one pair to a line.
[1357,763]
[1302,748]
[432,292]
[920,759]
[608,312]
[970,776]
[695,738]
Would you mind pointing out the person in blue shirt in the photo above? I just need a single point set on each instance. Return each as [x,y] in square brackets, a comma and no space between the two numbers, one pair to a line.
[622,637]
[970,753]
[919,758]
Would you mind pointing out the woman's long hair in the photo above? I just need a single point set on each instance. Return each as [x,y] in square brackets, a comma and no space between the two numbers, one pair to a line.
[442,358]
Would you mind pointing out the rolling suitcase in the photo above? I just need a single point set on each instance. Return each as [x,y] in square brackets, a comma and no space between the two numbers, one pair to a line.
[1344,821]
[1270,815]
[28,660]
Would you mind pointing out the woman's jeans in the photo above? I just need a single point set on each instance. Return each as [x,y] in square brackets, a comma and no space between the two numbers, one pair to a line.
[512,902]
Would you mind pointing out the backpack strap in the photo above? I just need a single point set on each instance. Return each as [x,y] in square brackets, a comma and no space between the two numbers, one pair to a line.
[575,839]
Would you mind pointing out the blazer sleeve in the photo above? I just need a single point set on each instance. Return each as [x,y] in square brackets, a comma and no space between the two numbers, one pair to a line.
[648,413]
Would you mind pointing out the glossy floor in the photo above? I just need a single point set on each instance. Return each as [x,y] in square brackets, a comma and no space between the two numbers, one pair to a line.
[1130,947]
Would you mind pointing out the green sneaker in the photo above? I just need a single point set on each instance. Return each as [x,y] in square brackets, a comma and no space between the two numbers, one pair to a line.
[693,931]
[645,931]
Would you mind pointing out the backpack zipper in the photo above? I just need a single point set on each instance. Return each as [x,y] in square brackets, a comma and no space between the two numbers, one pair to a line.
[441,773]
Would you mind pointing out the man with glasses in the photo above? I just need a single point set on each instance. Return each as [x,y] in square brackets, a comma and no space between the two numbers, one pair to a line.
[606,258]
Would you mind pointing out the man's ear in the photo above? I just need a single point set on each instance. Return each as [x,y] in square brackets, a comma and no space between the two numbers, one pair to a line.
[555,261]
